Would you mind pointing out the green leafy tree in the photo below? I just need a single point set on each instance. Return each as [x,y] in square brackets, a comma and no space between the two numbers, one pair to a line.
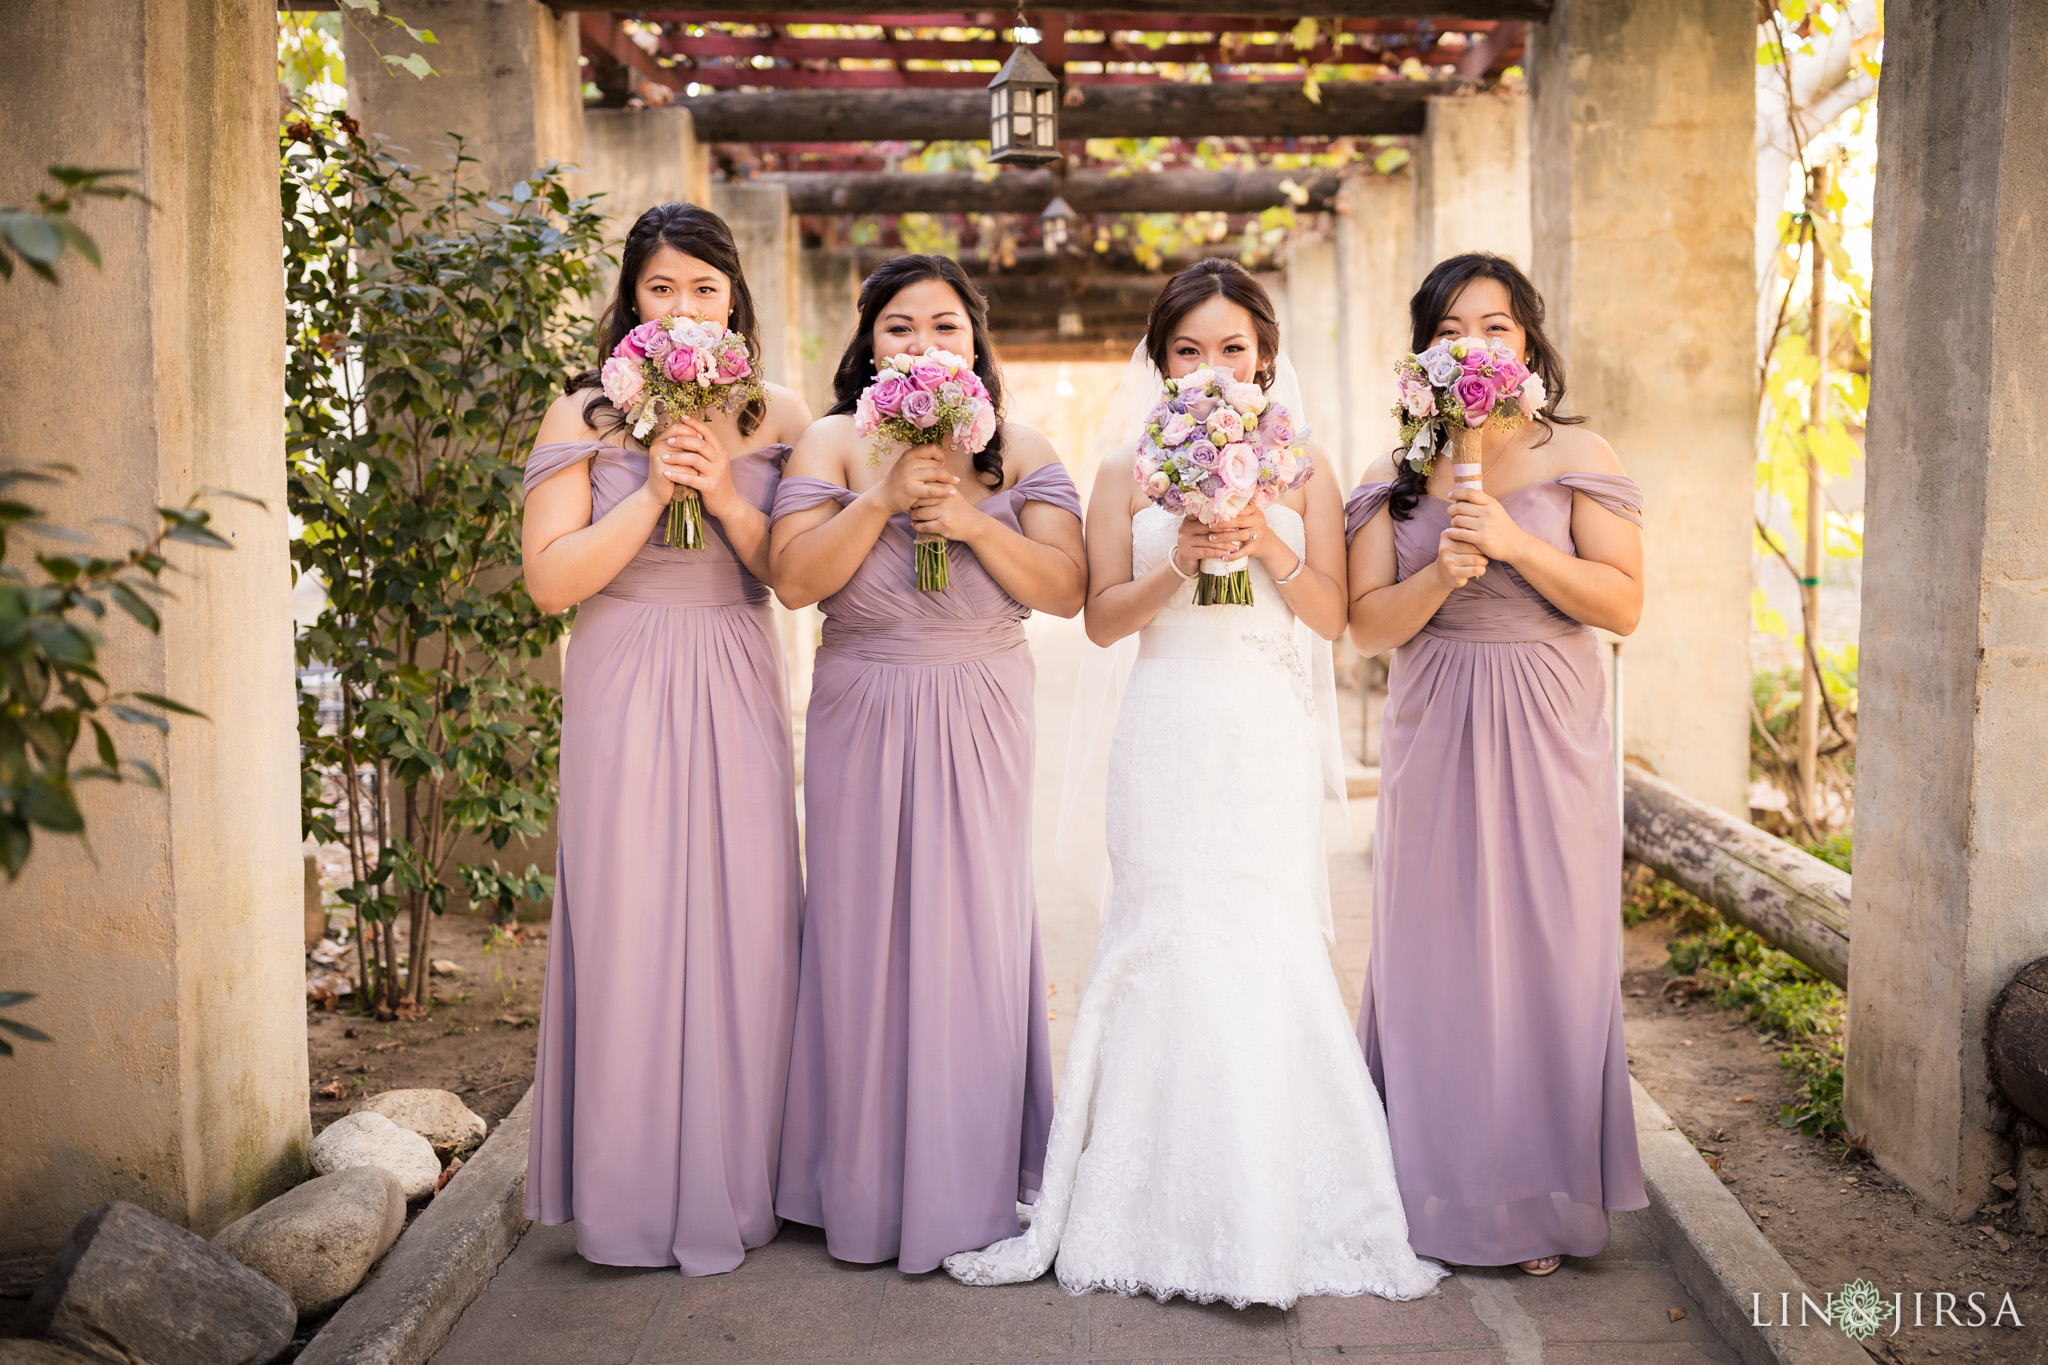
[429,323]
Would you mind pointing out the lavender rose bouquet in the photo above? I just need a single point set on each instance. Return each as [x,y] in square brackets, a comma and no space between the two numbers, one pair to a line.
[1456,389]
[1213,448]
[679,367]
[925,400]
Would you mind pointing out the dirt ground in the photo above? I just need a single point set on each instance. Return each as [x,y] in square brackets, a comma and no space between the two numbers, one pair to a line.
[1834,1219]
[477,1040]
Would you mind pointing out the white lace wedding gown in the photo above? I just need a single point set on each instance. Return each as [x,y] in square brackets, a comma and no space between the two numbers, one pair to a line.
[1217,1135]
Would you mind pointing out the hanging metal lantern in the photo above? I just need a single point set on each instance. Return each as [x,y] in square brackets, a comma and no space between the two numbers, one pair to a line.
[1023,112]
[1054,221]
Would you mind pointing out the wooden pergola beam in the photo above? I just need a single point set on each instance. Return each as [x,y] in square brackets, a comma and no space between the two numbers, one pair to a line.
[1019,191]
[1271,109]
[1346,9]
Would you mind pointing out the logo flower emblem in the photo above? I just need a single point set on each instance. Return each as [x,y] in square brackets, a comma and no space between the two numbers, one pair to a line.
[1859,1309]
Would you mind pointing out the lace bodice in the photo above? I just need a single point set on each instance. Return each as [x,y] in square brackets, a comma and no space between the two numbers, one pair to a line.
[1183,630]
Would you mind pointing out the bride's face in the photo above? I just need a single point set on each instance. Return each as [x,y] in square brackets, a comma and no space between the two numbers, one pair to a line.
[1483,308]
[1216,333]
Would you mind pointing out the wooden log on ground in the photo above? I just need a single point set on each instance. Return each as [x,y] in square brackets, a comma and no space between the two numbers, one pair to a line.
[2019,1041]
[1274,109]
[1784,895]
[1012,191]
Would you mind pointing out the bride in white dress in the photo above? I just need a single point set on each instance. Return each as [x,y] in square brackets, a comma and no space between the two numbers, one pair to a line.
[1217,1134]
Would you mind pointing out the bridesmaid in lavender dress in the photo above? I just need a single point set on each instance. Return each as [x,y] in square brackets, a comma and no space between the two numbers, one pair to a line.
[671,981]
[920,1089]
[1491,1016]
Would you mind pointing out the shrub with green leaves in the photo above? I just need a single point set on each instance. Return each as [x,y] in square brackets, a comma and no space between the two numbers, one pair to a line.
[429,324]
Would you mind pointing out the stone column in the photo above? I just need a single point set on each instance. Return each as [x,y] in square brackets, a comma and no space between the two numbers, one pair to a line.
[1310,337]
[831,284]
[165,948]
[1472,180]
[1950,884]
[1642,122]
[1374,229]
[638,158]
[508,82]
[766,234]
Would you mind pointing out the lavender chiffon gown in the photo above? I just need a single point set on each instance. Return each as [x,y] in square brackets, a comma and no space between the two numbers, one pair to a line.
[671,980]
[1491,1017]
[920,1089]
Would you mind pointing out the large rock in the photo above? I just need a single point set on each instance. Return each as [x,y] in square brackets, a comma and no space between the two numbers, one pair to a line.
[319,1240]
[373,1140]
[27,1351]
[128,1286]
[436,1115]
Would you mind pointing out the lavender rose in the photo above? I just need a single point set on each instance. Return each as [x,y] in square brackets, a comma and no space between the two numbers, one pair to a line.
[1202,454]
[1276,428]
[889,392]
[1440,365]
[1200,408]
[1475,392]
[920,409]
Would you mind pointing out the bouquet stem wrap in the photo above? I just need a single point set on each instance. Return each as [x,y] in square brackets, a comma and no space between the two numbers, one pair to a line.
[685,520]
[1225,583]
[931,563]
[1465,465]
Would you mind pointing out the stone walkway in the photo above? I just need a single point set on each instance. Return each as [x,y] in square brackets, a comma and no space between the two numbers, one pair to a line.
[791,1301]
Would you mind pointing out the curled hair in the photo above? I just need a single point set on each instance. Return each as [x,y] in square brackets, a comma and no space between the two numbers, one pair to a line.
[857,363]
[1214,278]
[695,232]
[1432,302]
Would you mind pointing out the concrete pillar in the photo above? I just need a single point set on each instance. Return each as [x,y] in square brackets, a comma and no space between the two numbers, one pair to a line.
[165,949]
[1472,180]
[638,158]
[509,83]
[766,235]
[1374,230]
[830,288]
[1953,715]
[1310,336]
[1642,123]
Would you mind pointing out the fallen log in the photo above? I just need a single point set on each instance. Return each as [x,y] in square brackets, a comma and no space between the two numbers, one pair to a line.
[2019,1041]
[1784,895]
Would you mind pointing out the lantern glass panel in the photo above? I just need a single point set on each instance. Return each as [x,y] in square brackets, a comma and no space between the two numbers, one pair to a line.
[1045,104]
[1002,133]
[1023,125]
[1001,104]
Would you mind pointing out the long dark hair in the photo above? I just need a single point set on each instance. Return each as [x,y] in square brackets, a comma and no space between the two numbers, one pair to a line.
[1214,278]
[1428,308]
[857,364]
[694,232]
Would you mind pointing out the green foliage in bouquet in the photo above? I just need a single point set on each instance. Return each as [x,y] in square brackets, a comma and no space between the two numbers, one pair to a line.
[429,324]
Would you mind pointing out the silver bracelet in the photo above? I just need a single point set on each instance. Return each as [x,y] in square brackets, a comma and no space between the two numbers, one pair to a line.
[1300,563]
[1173,563]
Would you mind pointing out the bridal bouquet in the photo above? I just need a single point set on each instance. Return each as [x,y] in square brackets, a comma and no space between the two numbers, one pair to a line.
[679,367]
[1211,449]
[924,400]
[1456,389]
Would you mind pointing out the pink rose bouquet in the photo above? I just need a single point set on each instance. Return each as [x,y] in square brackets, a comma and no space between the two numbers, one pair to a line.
[926,400]
[679,367]
[1211,449]
[1457,388]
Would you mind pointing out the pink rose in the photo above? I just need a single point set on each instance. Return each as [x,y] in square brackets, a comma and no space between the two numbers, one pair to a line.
[1477,357]
[1225,426]
[1475,392]
[1176,429]
[1246,398]
[1509,374]
[865,419]
[1156,484]
[981,429]
[928,374]
[640,341]
[681,364]
[971,382]
[1238,467]
[888,394]
[1418,400]
[623,383]
[920,409]
[1276,428]
[735,366]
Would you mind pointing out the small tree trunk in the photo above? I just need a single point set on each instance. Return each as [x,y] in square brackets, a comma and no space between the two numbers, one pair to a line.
[422,943]
[1809,584]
